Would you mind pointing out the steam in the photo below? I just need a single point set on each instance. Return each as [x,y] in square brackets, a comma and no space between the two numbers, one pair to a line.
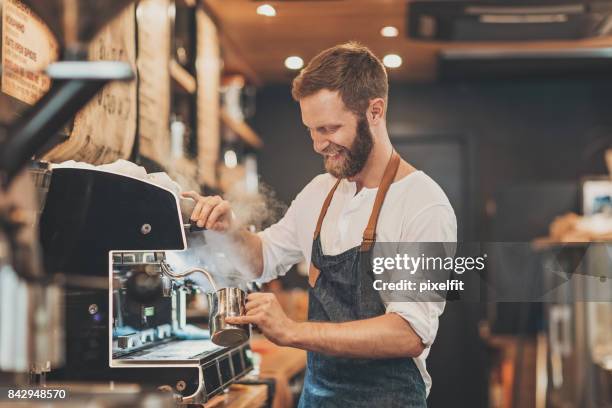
[256,210]
[217,252]
[185,178]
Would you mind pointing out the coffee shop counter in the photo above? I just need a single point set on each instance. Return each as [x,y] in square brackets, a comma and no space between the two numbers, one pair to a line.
[241,396]
[278,367]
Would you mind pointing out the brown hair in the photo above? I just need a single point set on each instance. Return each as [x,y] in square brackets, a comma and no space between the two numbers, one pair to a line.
[351,69]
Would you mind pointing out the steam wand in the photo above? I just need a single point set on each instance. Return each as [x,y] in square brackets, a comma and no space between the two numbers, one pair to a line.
[167,270]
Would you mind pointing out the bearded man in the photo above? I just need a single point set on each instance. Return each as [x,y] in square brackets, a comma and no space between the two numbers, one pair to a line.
[362,351]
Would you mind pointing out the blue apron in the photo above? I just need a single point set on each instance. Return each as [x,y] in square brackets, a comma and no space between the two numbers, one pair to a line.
[341,290]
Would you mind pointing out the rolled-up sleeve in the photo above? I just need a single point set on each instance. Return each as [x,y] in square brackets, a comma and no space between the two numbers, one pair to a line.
[436,223]
[422,317]
[280,245]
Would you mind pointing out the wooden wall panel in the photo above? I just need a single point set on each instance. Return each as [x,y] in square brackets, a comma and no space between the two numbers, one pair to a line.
[104,129]
[208,66]
[154,86]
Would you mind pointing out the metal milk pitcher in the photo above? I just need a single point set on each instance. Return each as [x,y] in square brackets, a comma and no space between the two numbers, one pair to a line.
[222,303]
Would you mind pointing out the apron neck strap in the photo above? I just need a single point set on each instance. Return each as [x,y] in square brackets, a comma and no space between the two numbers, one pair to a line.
[324,208]
[369,234]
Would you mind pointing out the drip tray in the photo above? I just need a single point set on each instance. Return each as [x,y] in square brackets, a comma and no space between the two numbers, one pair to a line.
[190,352]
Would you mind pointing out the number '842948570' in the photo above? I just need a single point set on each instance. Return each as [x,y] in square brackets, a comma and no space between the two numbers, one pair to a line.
[36,393]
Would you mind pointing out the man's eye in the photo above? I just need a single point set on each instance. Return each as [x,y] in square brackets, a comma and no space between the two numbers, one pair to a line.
[328,130]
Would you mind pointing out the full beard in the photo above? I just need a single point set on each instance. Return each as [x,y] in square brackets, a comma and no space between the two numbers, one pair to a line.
[349,162]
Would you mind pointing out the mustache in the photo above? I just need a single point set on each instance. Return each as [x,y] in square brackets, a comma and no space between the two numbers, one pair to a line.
[333,149]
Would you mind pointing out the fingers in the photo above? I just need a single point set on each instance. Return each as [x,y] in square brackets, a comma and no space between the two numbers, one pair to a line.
[206,206]
[196,211]
[265,313]
[252,319]
[190,194]
[199,202]
[255,308]
[259,296]
[212,212]
[252,305]
[219,210]
[209,211]
[256,300]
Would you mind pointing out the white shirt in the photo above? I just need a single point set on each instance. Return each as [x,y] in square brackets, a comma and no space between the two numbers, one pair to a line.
[415,210]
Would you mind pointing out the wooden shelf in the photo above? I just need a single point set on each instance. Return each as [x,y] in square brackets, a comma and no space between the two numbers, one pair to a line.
[182,77]
[243,130]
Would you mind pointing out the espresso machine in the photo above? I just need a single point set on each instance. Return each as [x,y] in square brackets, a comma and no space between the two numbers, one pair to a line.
[130,324]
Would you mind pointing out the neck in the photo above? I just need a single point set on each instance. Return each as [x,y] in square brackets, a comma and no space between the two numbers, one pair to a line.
[375,167]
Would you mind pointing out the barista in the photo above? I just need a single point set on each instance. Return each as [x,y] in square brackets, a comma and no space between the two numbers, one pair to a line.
[362,352]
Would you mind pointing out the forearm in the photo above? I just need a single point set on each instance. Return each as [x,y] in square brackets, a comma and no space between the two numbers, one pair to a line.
[384,336]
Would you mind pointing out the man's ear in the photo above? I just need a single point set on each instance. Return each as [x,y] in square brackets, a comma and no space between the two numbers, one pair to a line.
[376,111]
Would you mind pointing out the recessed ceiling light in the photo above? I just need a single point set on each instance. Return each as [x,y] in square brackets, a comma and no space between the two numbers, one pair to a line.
[294,62]
[389,31]
[392,61]
[266,10]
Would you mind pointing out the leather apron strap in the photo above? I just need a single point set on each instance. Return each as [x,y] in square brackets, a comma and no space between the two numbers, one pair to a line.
[324,208]
[369,234]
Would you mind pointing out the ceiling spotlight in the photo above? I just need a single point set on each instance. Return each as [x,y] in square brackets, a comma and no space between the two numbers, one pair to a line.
[294,62]
[389,31]
[392,61]
[266,10]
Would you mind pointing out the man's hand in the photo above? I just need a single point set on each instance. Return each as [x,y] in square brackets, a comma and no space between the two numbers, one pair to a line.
[212,212]
[384,336]
[264,311]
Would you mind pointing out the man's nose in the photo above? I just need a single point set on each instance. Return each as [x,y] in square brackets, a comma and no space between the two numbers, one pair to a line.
[319,143]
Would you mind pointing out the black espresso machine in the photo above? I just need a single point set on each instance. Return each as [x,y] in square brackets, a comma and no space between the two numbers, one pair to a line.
[108,235]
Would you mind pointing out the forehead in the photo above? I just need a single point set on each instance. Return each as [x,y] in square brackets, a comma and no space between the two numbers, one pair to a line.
[323,108]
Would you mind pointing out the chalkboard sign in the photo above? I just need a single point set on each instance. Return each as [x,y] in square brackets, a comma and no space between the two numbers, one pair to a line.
[27,48]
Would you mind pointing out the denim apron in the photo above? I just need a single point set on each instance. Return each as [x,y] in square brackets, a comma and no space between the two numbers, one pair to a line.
[340,289]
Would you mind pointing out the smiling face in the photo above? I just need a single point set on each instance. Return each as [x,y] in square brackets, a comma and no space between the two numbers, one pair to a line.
[343,139]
